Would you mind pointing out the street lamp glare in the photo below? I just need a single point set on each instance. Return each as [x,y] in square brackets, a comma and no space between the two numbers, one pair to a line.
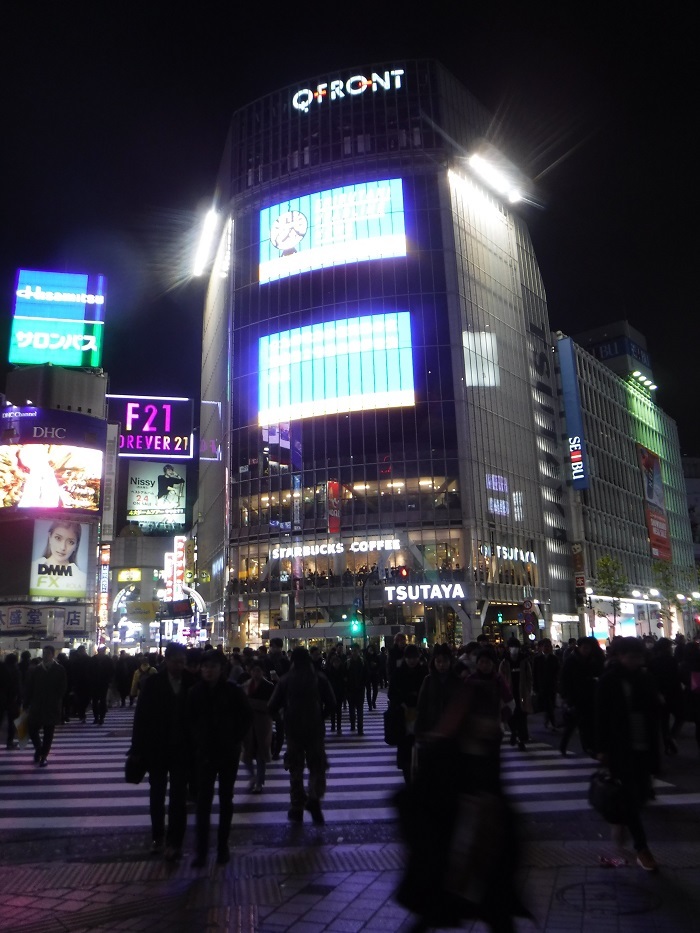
[205,241]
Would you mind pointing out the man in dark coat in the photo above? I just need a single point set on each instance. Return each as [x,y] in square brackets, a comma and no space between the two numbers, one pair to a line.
[627,735]
[545,677]
[306,698]
[101,673]
[161,739]
[220,716]
[577,685]
[43,698]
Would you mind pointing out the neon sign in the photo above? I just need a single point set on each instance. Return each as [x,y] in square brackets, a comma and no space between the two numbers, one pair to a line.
[369,545]
[424,591]
[152,427]
[352,87]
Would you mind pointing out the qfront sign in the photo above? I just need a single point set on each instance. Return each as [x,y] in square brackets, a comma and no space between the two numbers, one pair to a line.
[424,592]
[368,546]
[353,86]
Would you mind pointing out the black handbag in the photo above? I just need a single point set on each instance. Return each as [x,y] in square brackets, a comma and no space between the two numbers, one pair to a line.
[608,797]
[394,725]
[134,769]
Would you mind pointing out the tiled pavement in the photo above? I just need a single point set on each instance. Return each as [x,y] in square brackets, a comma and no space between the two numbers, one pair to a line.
[339,889]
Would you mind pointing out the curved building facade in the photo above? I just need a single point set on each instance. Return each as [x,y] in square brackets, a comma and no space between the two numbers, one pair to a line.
[379,417]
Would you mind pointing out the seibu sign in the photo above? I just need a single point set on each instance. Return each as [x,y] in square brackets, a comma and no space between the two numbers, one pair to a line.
[424,592]
[351,87]
[371,545]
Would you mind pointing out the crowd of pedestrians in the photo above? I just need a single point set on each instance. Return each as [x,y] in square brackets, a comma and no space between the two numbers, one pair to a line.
[199,713]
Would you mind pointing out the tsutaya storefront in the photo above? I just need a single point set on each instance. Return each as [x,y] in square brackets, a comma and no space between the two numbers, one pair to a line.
[404,578]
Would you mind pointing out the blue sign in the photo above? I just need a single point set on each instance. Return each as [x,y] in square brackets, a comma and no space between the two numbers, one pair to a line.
[58,318]
[356,364]
[330,228]
[578,458]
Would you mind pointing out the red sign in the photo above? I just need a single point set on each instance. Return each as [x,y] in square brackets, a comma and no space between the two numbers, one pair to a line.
[333,506]
[580,580]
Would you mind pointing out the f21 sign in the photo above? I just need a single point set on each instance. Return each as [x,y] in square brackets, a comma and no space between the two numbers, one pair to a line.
[153,427]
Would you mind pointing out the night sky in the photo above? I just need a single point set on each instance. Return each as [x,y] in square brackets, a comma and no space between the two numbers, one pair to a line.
[114,122]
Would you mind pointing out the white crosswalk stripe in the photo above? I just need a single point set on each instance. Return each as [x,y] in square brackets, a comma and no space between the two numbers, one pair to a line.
[83,785]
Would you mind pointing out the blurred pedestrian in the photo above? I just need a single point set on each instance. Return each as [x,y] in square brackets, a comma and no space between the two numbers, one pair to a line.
[545,676]
[13,697]
[356,686]
[404,686]
[101,674]
[577,685]
[516,670]
[220,716]
[257,743]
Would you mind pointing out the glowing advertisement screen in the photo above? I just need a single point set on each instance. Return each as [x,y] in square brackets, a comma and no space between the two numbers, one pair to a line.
[654,504]
[51,459]
[330,228]
[156,495]
[355,364]
[60,559]
[58,318]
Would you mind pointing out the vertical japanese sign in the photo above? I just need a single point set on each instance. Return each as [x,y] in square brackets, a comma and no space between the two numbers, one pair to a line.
[179,566]
[654,504]
[333,506]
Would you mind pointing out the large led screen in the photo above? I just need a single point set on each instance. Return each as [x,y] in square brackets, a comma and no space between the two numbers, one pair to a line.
[331,228]
[355,364]
[60,559]
[58,318]
[156,494]
[51,459]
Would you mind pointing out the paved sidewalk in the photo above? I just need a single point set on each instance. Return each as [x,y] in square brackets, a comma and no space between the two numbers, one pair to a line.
[336,888]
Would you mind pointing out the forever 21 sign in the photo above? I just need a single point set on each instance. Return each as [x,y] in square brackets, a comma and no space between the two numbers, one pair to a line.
[152,427]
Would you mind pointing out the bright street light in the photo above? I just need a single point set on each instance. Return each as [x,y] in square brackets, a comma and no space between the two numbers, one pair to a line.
[205,241]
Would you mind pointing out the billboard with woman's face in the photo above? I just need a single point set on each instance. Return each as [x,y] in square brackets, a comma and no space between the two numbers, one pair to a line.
[60,559]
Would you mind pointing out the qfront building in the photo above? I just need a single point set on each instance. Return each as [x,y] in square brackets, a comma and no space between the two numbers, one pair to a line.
[379,422]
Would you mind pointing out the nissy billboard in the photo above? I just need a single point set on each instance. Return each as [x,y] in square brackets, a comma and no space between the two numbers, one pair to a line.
[331,228]
[58,318]
[51,459]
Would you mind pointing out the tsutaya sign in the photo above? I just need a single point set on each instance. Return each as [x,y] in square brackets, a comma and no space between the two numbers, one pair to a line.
[336,547]
[352,87]
[424,592]
[504,552]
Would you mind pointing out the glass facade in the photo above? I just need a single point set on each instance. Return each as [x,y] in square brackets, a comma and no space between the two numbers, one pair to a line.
[376,344]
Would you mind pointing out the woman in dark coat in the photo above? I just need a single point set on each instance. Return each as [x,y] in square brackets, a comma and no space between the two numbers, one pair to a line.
[404,688]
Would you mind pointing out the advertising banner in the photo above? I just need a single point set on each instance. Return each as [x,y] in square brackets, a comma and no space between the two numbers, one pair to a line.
[355,364]
[60,556]
[654,504]
[58,318]
[333,506]
[578,458]
[156,494]
[331,228]
[153,427]
[43,620]
[51,459]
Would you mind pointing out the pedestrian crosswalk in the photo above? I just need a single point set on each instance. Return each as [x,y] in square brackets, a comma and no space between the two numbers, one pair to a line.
[83,785]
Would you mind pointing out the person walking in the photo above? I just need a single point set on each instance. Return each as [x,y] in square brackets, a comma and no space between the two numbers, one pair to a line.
[545,676]
[220,715]
[627,736]
[43,699]
[257,744]
[161,738]
[577,685]
[404,687]
[337,675]
[516,670]
[307,699]
[372,676]
[79,663]
[356,685]
[101,672]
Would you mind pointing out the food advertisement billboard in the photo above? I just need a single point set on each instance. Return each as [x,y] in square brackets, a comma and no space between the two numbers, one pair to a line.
[51,459]
[353,223]
[58,318]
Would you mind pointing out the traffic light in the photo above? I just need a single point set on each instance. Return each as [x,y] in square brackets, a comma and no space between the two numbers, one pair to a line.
[355,626]
[499,618]
[402,573]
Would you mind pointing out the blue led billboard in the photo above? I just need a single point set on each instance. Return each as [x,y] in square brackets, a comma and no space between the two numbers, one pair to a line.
[330,228]
[58,318]
[356,364]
